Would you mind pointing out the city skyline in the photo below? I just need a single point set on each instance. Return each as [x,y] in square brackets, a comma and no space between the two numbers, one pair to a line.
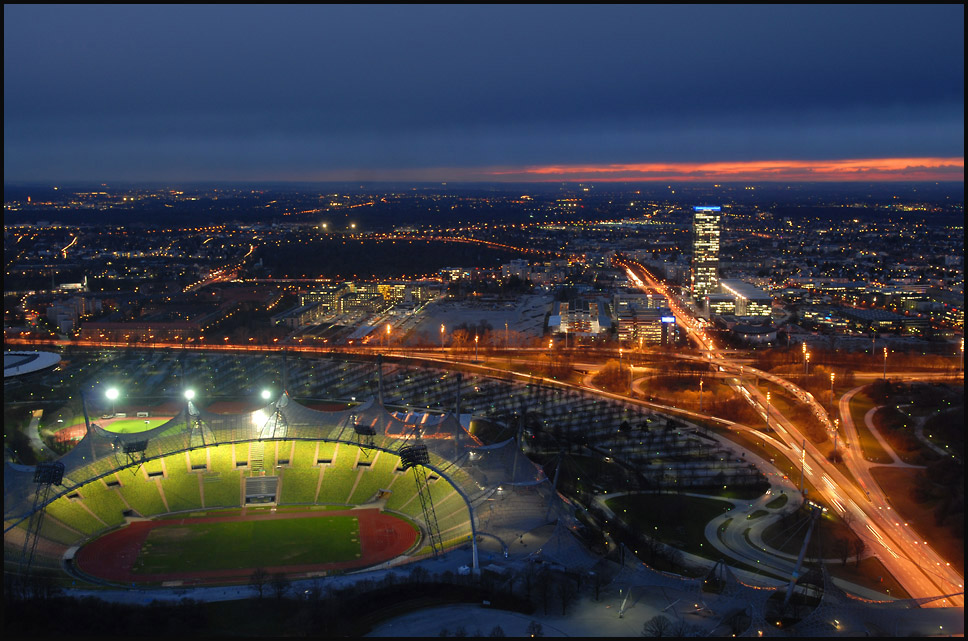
[483,94]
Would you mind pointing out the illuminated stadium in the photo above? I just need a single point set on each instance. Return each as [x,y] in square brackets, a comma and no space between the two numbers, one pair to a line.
[382,488]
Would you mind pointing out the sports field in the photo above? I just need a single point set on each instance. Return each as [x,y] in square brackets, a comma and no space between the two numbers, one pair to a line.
[226,545]
[118,425]
[132,425]
[229,546]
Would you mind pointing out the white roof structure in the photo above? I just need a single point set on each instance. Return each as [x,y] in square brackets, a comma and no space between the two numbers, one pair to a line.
[20,363]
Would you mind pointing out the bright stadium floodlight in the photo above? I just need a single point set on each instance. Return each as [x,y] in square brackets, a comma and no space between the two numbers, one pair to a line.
[266,394]
[112,393]
[189,394]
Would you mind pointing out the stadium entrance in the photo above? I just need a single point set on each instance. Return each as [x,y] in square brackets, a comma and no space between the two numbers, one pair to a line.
[261,489]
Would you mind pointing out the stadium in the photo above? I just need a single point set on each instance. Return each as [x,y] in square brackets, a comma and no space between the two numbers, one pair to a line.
[208,497]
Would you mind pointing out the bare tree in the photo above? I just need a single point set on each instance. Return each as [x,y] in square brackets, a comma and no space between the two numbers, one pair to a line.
[543,585]
[315,591]
[842,546]
[657,626]
[567,591]
[280,584]
[258,580]
[599,581]
[858,546]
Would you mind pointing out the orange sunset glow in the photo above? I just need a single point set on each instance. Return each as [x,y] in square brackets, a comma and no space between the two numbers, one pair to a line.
[848,170]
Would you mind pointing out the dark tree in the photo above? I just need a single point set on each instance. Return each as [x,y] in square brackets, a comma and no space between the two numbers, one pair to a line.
[258,580]
[657,626]
[280,584]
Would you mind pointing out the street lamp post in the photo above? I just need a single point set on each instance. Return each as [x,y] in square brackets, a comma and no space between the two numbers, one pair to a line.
[700,395]
[767,409]
[475,347]
[441,337]
[836,434]
[388,336]
[885,363]
[832,387]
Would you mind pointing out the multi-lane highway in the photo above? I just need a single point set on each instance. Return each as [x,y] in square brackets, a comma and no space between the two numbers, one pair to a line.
[856,496]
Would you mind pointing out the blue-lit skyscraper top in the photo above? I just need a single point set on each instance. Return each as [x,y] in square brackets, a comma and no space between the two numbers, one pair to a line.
[707,208]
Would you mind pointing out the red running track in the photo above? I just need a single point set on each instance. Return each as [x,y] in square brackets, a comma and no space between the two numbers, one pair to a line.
[112,557]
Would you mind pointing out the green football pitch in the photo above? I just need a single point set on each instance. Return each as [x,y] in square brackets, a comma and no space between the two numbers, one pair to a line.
[230,545]
[134,425]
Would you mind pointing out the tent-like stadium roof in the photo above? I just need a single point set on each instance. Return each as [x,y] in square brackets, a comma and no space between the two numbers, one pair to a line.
[476,470]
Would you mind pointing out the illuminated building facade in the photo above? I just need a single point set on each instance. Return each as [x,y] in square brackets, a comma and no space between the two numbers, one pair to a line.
[705,250]
[750,300]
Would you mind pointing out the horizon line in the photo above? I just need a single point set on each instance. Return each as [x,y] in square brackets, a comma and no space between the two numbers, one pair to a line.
[847,171]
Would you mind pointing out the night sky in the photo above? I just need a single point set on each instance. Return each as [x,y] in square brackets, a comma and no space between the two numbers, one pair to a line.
[483,93]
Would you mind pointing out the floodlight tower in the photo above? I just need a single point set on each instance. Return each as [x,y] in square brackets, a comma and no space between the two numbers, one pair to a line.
[46,475]
[275,425]
[416,457]
[199,434]
[112,394]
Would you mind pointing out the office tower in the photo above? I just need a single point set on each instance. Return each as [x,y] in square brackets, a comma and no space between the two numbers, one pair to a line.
[705,251]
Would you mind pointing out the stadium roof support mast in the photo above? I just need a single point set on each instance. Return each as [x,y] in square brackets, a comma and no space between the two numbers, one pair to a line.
[285,371]
[379,377]
[416,457]
[46,475]
[815,512]
[276,425]
[457,435]
[200,434]
[457,404]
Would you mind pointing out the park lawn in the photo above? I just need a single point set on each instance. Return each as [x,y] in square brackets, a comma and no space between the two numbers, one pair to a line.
[896,483]
[230,545]
[871,574]
[671,518]
[134,425]
[869,445]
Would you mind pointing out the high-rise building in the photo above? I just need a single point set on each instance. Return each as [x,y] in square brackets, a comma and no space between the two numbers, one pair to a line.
[705,251]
